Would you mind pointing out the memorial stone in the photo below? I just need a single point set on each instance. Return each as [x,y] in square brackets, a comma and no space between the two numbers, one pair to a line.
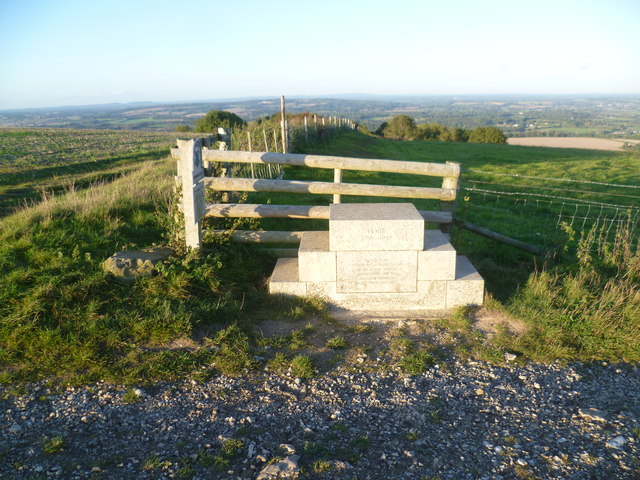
[379,257]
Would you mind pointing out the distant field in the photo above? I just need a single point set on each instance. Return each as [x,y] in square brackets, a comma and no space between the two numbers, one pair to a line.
[572,142]
[36,160]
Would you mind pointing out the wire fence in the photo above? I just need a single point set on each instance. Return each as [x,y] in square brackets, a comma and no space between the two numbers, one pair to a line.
[300,130]
[550,212]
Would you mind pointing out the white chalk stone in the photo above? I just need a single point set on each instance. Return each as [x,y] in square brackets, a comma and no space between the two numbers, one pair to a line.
[467,288]
[377,272]
[438,259]
[284,279]
[315,261]
[375,227]
[430,295]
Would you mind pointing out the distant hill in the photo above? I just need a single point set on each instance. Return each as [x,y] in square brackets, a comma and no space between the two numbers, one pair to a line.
[518,116]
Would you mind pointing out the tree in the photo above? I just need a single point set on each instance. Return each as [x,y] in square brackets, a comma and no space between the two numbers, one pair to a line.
[401,127]
[218,118]
[183,128]
[380,129]
[487,135]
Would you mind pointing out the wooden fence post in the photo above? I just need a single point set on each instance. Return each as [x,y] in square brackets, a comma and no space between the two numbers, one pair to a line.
[224,143]
[283,127]
[450,183]
[191,173]
[337,178]
[306,131]
[286,134]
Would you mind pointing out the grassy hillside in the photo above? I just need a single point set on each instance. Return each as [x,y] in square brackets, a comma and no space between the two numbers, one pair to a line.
[62,317]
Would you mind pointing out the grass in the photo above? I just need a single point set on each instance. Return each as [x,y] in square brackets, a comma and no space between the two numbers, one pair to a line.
[302,367]
[52,445]
[62,318]
[33,161]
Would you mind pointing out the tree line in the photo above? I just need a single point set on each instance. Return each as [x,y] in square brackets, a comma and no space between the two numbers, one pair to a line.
[400,127]
[403,127]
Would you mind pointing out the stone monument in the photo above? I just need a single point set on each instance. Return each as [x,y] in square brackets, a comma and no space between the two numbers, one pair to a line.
[378,256]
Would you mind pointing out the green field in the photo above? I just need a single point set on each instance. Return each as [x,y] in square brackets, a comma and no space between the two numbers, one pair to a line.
[33,161]
[64,319]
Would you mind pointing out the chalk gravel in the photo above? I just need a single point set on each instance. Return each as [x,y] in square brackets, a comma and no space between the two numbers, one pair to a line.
[465,420]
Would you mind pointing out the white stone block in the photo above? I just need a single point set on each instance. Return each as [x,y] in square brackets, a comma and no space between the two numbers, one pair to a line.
[438,259]
[467,288]
[375,226]
[315,261]
[284,279]
[326,290]
[430,295]
[377,272]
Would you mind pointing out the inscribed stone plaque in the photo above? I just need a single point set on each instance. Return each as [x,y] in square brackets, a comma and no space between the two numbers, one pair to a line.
[382,272]
[375,227]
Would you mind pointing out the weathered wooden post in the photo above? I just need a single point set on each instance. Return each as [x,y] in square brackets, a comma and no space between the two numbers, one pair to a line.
[450,206]
[253,173]
[283,127]
[191,172]
[306,130]
[224,143]
[337,178]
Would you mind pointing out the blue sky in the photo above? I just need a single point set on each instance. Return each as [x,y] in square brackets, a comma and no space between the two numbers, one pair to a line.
[84,52]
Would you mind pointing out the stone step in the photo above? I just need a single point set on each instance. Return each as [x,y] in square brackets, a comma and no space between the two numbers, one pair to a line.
[438,259]
[467,288]
[318,264]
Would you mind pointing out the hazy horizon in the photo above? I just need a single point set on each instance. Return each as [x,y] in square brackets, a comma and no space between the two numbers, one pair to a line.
[77,53]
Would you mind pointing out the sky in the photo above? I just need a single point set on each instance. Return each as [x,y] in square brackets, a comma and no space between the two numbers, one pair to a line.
[68,52]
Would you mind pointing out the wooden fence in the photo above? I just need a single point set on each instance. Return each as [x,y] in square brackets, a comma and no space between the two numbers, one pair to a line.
[193,158]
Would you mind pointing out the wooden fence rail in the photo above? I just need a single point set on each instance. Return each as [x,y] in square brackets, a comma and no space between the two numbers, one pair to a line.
[192,157]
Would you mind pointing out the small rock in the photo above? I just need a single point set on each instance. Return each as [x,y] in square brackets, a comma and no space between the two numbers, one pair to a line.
[288,448]
[127,266]
[340,465]
[479,391]
[15,428]
[510,357]
[592,414]
[285,468]
[617,442]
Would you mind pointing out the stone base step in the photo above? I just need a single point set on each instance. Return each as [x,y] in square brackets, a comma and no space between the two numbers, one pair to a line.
[466,288]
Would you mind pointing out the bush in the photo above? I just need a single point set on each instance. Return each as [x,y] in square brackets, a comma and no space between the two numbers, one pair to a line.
[218,118]
[487,135]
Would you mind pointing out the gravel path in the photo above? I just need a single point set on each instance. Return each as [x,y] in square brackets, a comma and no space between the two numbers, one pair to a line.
[465,420]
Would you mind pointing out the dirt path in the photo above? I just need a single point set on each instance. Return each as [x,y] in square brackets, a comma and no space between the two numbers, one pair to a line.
[571,142]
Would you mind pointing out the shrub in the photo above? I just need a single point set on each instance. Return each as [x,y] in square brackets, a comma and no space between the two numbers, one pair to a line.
[487,135]
[218,118]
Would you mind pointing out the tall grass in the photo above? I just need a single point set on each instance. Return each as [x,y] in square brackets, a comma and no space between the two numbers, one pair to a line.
[62,316]
[588,308]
